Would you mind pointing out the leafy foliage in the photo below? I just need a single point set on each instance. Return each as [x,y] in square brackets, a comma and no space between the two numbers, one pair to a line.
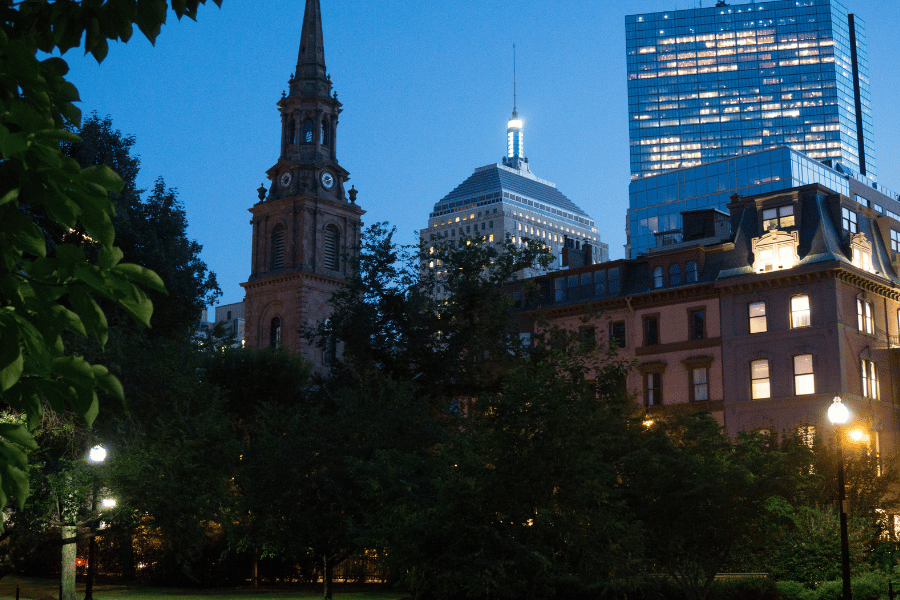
[48,291]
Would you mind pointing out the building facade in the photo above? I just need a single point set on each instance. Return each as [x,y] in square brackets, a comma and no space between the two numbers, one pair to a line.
[306,224]
[656,203]
[508,200]
[762,322]
[710,83]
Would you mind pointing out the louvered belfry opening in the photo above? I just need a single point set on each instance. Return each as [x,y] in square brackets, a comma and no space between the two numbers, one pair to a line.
[278,248]
[331,247]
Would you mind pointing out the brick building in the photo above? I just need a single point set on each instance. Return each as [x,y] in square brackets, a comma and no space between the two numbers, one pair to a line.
[760,316]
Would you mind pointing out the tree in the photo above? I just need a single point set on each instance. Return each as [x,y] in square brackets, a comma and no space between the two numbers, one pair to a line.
[151,232]
[698,494]
[522,500]
[45,294]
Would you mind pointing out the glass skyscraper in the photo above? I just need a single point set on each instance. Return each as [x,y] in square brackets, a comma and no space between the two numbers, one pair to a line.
[710,83]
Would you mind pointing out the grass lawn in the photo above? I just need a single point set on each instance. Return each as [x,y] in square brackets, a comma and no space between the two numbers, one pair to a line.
[48,589]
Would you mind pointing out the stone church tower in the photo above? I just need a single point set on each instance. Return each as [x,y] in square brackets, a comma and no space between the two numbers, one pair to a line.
[305,226]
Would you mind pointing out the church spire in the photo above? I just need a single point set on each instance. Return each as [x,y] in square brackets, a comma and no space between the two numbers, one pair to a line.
[310,78]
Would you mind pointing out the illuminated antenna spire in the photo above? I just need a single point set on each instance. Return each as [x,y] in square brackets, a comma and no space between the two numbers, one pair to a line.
[514,80]
[515,153]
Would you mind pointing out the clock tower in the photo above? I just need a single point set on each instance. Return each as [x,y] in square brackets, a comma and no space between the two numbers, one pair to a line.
[306,224]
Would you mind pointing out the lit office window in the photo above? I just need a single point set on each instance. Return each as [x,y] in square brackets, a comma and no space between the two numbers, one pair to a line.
[869,379]
[780,217]
[800,311]
[864,316]
[757,314]
[759,379]
[804,381]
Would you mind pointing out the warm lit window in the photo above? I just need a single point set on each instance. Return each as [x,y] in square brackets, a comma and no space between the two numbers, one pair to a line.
[674,274]
[780,217]
[775,250]
[848,220]
[697,324]
[658,277]
[807,435]
[800,311]
[864,316]
[869,379]
[804,381]
[699,384]
[651,330]
[759,379]
[861,252]
[757,313]
[690,272]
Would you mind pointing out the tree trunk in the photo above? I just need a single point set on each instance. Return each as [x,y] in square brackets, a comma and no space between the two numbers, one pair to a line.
[254,571]
[326,576]
[67,578]
[126,556]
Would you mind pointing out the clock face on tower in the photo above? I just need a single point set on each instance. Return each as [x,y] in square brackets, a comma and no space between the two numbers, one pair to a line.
[327,180]
[285,179]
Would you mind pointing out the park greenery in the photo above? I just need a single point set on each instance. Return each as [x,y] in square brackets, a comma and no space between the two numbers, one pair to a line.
[467,461]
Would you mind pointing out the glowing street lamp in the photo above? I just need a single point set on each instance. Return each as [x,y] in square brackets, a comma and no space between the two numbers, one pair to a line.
[97,455]
[838,414]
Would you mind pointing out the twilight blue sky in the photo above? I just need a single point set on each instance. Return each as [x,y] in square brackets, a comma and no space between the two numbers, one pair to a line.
[427,91]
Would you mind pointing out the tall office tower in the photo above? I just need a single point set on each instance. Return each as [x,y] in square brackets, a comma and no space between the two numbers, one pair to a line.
[500,200]
[711,83]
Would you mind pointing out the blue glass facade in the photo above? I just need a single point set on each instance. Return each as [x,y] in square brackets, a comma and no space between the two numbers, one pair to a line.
[656,202]
[711,83]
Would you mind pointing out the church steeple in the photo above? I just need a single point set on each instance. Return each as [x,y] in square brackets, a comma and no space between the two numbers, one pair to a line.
[306,231]
[309,116]
[310,78]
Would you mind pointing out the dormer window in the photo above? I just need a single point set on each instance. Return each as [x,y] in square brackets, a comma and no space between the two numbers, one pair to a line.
[775,250]
[848,220]
[780,217]
[861,252]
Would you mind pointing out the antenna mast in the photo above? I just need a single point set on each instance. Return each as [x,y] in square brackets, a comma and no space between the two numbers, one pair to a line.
[514,79]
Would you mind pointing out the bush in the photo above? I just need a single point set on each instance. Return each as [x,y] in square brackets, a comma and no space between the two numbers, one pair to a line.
[794,590]
[747,588]
[868,586]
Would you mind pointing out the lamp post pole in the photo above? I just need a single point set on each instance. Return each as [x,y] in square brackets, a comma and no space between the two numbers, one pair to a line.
[96,455]
[838,414]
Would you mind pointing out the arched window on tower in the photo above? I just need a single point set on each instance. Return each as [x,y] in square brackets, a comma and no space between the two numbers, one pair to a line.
[332,244]
[323,134]
[292,132]
[275,333]
[278,248]
[308,131]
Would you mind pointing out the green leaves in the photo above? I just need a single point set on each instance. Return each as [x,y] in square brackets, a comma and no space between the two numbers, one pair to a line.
[47,287]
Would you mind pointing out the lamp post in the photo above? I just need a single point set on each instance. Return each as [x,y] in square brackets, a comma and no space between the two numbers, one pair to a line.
[97,455]
[838,414]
